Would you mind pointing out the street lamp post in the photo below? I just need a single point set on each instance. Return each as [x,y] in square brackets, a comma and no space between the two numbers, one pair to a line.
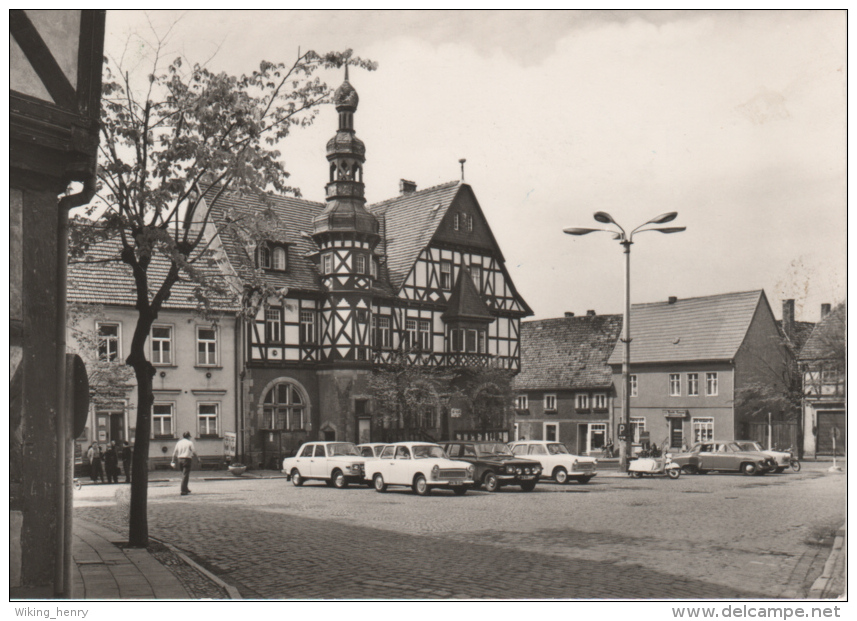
[626,239]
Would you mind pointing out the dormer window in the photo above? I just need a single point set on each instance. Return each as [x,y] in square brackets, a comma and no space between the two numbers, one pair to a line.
[456,221]
[273,257]
[468,219]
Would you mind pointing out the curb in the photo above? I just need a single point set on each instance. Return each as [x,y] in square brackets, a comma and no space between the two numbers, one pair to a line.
[231,591]
[822,583]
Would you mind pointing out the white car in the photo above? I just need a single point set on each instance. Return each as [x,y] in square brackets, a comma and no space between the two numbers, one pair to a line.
[335,463]
[783,458]
[556,461]
[421,466]
[371,449]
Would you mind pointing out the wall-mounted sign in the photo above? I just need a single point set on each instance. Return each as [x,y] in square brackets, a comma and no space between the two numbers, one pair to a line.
[455,412]
[230,442]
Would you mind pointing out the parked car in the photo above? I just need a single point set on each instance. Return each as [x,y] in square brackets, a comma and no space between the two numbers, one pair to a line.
[556,461]
[723,457]
[495,464]
[783,458]
[335,463]
[371,449]
[420,465]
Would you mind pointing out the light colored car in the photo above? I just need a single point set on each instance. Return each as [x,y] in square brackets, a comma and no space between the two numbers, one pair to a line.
[335,463]
[725,456]
[783,458]
[420,465]
[371,449]
[556,461]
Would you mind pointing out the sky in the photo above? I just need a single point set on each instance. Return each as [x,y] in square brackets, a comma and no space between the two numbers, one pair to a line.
[736,120]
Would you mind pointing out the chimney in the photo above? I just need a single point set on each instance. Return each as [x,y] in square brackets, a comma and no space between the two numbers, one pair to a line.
[825,308]
[407,187]
[569,314]
[672,299]
[788,317]
[590,313]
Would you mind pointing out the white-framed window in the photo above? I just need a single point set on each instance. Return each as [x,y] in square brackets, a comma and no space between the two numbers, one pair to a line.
[711,384]
[551,432]
[162,420]
[633,382]
[471,343]
[456,221]
[273,325]
[446,275]
[108,341]
[522,403]
[456,338]
[373,267]
[476,275]
[307,326]
[693,384]
[469,220]
[162,345]
[599,401]
[482,342]
[550,403]
[360,264]
[425,334]
[411,339]
[207,418]
[675,384]
[581,402]
[382,332]
[638,424]
[703,429]
[327,263]
[284,408]
[206,346]
[264,257]
[279,259]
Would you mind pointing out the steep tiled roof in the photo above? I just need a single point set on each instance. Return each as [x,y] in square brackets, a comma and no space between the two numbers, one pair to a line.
[104,279]
[407,225]
[704,328]
[295,224]
[828,338]
[567,352]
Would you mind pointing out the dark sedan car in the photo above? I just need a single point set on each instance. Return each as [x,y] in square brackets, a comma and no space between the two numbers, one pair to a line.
[723,457]
[496,466]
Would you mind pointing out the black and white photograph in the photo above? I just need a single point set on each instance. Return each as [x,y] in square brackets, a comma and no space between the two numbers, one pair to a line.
[314,306]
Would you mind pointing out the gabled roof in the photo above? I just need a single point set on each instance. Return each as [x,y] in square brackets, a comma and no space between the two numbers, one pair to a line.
[104,279]
[408,223]
[567,352]
[827,340]
[294,217]
[465,301]
[693,329]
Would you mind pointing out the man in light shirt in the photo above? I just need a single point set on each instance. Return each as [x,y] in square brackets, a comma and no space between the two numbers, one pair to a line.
[185,453]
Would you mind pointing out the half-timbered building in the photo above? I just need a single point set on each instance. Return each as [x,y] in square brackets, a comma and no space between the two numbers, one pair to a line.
[418,279]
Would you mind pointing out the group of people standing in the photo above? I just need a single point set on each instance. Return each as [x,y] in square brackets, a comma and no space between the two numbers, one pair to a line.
[105,462]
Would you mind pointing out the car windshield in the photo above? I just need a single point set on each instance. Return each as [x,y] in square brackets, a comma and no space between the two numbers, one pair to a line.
[424,451]
[493,449]
[749,446]
[557,449]
[342,448]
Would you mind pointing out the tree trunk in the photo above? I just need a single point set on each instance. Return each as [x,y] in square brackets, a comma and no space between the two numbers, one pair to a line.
[138,529]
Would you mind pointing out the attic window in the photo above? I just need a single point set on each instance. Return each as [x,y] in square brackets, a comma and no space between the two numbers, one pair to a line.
[456,222]
[469,220]
[273,257]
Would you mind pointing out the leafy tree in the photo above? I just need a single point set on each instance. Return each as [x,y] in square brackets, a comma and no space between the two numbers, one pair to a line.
[169,151]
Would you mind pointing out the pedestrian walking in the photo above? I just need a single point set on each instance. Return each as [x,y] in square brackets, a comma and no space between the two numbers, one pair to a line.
[184,453]
[111,463]
[90,457]
[126,460]
[97,464]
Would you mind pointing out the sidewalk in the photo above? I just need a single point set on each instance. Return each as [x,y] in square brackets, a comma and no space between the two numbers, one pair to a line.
[102,570]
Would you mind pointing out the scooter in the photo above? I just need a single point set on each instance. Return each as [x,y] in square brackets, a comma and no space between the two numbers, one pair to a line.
[654,465]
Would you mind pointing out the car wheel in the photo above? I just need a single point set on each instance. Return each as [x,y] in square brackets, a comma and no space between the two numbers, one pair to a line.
[749,469]
[420,486]
[297,479]
[528,486]
[795,464]
[560,475]
[379,484]
[583,480]
[780,470]
[690,469]
[339,480]
[459,490]
[674,473]
[490,482]
[637,475]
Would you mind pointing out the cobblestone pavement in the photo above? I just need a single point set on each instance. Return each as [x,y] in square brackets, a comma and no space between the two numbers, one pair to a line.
[698,537]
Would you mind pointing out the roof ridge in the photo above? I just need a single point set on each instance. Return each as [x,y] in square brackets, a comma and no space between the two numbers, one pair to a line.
[701,297]
[445,185]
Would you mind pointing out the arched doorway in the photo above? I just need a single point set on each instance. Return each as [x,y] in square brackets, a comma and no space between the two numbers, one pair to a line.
[284,413]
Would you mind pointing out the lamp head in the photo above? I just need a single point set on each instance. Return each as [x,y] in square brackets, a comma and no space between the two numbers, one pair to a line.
[603,217]
[664,218]
[578,231]
[671,229]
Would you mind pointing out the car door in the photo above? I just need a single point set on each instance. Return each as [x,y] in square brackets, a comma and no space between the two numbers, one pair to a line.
[318,468]
[400,467]
[302,460]
[383,465]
